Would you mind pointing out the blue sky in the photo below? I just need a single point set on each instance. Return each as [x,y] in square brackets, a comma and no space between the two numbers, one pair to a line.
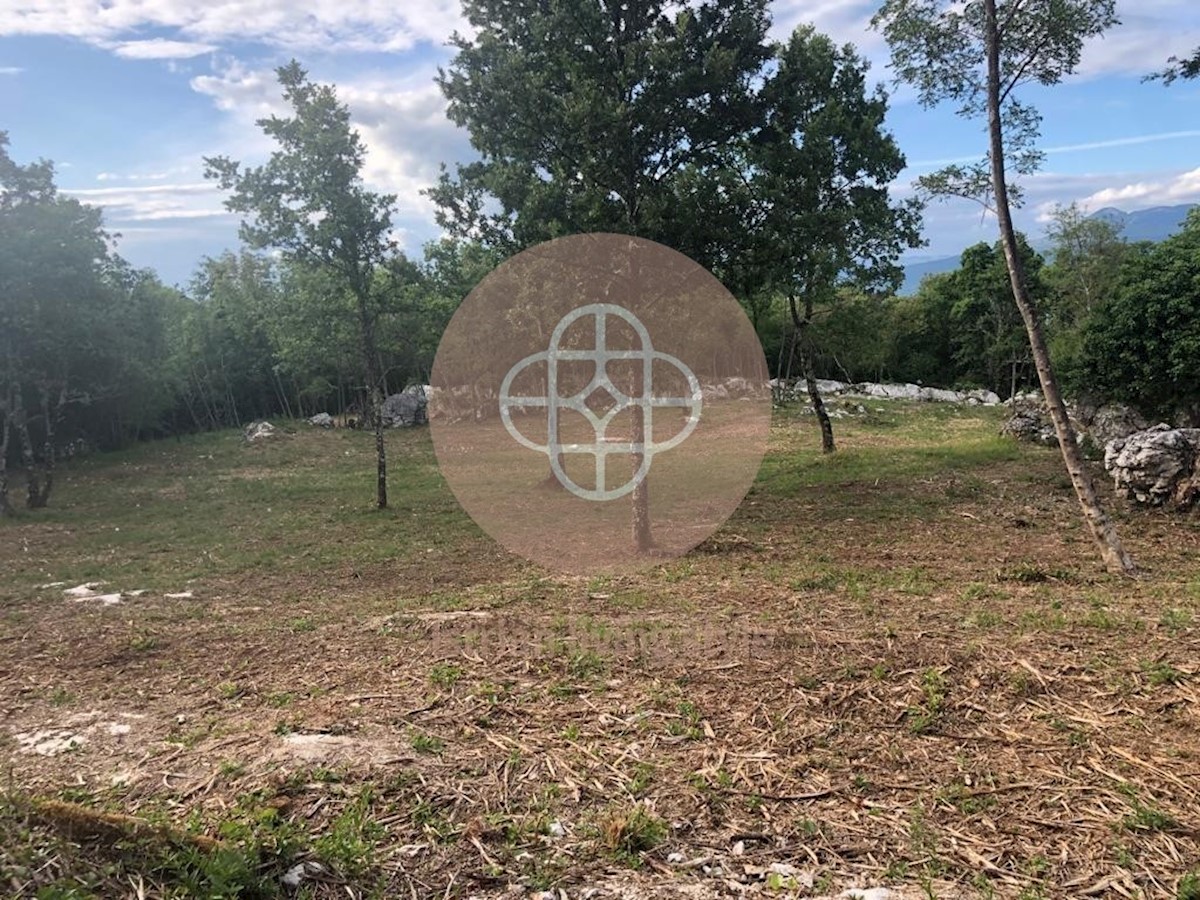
[127,96]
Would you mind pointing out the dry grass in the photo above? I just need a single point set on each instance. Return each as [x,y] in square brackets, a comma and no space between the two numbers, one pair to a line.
[899,666]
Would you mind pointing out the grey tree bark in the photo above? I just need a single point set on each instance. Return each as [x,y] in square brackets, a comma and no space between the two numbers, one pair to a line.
[1116,560]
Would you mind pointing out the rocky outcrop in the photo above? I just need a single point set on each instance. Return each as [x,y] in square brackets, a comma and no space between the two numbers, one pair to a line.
[321,420]
[259,431]
[796,390]
[1158,466]
[406,409]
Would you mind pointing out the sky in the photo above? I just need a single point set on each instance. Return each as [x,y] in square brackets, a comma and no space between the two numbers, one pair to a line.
[126,97]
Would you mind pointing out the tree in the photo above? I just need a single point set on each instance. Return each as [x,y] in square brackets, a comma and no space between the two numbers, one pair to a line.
[1088,253]
[597,116]
[1142,342]
[990,345]
[815,177]
[1179,68]
[308,201]
[977,54]
[55,327]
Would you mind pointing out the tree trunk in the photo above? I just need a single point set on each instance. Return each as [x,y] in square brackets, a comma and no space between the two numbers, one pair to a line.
[40,496]
[1116,560]
[810,381]
[375,391]
[5,431]
[643,540]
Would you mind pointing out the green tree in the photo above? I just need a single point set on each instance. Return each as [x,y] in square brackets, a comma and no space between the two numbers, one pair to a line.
[922,332]
[1142,343]
[1088,253]
[598,117]
[55,334]
[309,202]
[1177,68]
[990,345]
[815,176]
[976,55]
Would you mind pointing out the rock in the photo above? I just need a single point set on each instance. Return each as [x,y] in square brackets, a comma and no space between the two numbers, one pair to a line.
[406,409]
[257,431]
[940,395]
[321,420]
[1030,423]
[890,391]
[1157,466]
[828,386]
[1114,421]
[985,397]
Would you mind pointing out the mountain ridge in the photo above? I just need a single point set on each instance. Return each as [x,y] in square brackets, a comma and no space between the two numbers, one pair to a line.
[1154,223]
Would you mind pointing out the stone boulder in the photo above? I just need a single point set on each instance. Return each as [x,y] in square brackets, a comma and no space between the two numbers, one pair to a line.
[1031,423]
[259,431]
[1113,421]
[1157,466]
[406,409]
[321,420]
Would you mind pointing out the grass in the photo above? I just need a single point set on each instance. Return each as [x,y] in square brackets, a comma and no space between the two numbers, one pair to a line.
[883,657]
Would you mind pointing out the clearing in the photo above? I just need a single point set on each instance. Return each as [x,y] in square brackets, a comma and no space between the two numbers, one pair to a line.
[900,666]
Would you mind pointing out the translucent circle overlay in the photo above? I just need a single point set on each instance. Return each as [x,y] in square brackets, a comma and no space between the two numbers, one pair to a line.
[592,382]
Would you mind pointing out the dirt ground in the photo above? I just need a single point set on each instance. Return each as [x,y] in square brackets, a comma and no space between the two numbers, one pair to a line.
[908,673]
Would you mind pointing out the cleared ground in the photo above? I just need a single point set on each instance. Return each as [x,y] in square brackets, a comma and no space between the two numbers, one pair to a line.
[901,665]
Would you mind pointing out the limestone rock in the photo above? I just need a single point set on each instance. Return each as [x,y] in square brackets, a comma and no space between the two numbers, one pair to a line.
[321,420]
[258,431]
[1157,466]
[406,409]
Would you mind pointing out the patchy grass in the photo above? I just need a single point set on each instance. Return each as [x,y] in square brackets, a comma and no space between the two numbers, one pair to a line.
[898,664]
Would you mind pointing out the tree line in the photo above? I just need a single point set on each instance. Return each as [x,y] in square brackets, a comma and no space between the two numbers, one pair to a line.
[766,161]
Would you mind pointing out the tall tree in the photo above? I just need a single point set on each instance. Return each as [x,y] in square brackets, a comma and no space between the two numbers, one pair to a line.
[54,317]
[308,201]
[976,55]
[815,175]
[990,345]
[1087,252]
[597,116]
[1142,342]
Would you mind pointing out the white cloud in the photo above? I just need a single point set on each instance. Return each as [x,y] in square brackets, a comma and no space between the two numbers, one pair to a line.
[152,203]
[143,176]
[402,123]
[11,70]
[1181,187]
[328,25]
[159,48]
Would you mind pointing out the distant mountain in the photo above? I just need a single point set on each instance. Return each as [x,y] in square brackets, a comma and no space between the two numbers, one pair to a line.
[1152,224]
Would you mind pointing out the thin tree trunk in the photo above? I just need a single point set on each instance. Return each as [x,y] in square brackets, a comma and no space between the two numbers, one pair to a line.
[1116,560]
[46,465]
[371,359]
[21,423]
[643,537]
[810,381]
[5,431]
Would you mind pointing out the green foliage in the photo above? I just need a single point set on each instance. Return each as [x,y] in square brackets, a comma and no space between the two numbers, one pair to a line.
[989,344]
[594,118]
[1142,343]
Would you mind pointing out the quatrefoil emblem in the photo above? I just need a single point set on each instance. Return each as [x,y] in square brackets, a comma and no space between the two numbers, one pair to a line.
[642,406]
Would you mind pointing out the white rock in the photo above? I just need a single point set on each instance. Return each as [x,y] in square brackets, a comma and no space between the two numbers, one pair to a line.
[555,829]
[181,595]
[87,589]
